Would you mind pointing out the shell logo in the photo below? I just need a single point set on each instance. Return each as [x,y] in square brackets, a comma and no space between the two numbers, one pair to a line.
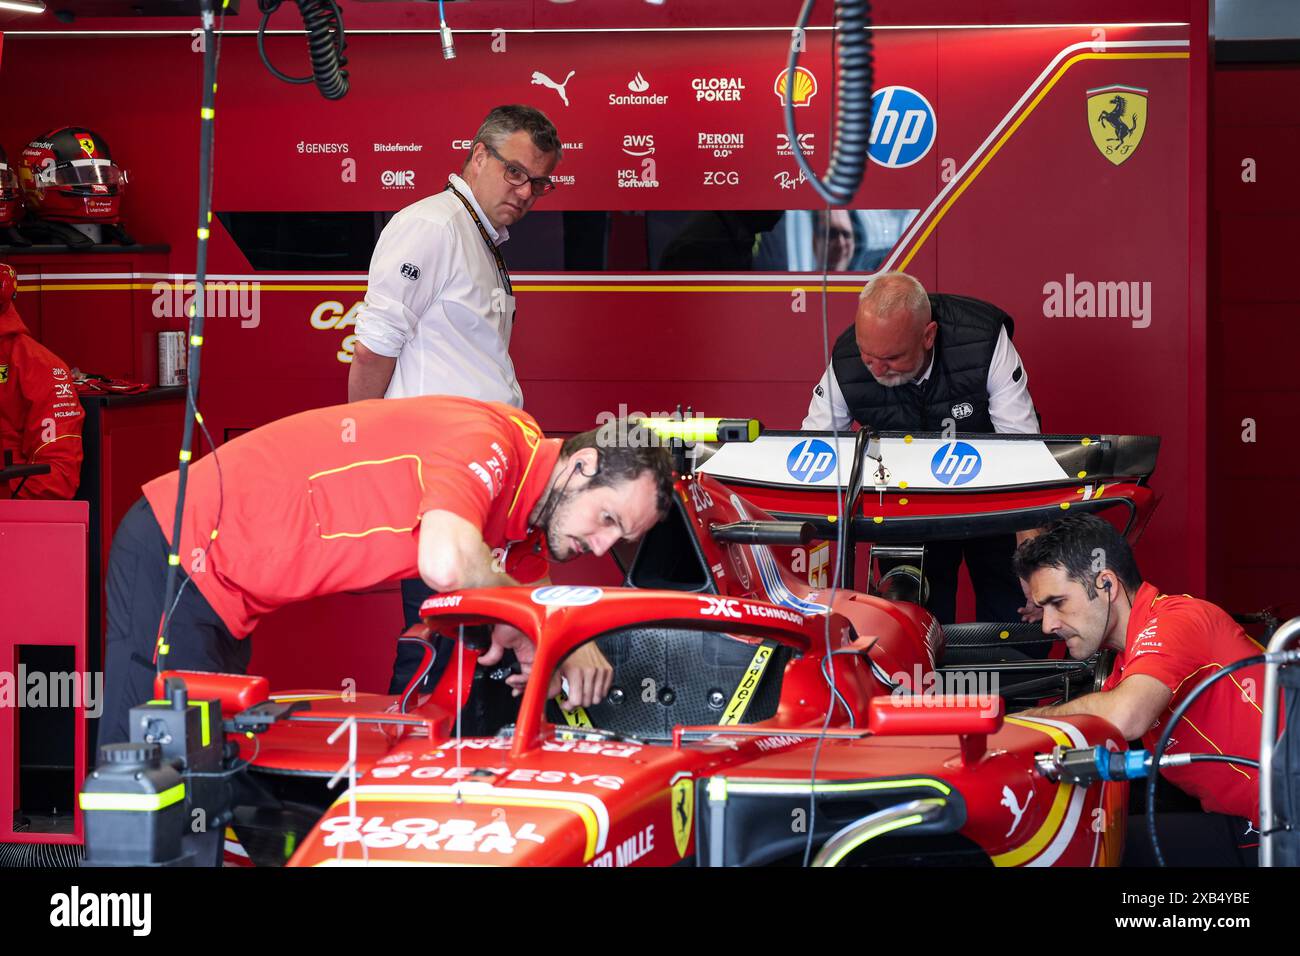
[805,86]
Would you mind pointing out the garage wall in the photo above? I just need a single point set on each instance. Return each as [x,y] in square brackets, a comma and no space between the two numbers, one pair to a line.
[1015,196]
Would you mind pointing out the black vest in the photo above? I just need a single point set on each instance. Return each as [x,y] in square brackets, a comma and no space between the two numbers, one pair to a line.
[958,384]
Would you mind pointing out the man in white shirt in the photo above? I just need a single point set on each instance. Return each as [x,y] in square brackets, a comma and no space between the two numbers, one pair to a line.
[439,308]
[915,362]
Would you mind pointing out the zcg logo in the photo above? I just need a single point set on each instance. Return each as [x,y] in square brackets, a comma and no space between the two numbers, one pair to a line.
[721,177]
[955,463]
[811,460]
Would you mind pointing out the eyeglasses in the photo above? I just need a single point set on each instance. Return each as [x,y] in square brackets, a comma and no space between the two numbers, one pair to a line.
[541,185]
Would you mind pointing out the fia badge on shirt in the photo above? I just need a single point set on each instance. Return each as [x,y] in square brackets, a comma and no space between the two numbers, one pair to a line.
[410,271]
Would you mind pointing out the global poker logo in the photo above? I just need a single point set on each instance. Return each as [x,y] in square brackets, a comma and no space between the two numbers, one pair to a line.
[955,463]
[810,460]
[904,127]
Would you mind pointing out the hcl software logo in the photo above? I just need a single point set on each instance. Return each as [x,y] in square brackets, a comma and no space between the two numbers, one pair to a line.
[904,126]
[955,463]
[811,460]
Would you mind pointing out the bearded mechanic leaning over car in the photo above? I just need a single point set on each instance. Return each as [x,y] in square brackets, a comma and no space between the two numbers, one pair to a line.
[347,497]
[1082,573]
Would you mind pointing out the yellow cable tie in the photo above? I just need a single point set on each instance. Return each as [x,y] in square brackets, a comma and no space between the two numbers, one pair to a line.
[174,559]
[198,417]
[164,649]
[204,233]
[207,114]
[214,534]
[196,340]
[186,455]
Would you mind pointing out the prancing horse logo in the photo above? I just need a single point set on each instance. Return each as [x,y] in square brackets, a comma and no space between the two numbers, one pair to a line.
[1117,118]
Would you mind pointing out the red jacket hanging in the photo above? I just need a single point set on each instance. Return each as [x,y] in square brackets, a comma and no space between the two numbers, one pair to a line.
[40,414]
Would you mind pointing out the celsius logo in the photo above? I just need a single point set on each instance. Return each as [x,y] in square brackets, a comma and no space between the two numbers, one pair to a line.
[811,460]
[398,179]
[955,463]
[904,128]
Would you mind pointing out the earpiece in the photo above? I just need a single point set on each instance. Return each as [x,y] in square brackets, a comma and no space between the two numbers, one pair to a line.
[1105,585]
[577,466]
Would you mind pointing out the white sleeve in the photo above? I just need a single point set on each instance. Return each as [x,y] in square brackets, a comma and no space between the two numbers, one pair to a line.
[1010,406]
[408,271]
[827,408]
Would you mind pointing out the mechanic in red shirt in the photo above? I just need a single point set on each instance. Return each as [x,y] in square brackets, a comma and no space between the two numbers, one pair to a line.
[1082,573]
[40,414]
[464,493]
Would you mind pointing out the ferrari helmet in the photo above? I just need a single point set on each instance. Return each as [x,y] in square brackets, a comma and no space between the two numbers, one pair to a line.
[8,286]
[11,199]
[68,175]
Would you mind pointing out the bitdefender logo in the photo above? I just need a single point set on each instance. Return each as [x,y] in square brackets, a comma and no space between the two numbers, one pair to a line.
[397,179]
[399,147]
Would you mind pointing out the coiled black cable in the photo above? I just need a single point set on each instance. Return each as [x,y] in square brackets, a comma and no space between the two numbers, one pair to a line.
[854,80]
[1159,750]
[326,42]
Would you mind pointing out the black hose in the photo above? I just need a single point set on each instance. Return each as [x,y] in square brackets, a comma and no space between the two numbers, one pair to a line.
[1159,750]
[326,42]
[853,90]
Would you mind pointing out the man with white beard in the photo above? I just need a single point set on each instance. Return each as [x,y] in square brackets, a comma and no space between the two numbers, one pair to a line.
[910,362]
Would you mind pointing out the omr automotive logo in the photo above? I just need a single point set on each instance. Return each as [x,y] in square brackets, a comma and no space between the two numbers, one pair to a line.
[397,179]
[955,463]
[904,127]
[811,460]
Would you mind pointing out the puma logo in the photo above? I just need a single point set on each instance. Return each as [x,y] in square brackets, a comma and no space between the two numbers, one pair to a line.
[1017,811]
[541,79]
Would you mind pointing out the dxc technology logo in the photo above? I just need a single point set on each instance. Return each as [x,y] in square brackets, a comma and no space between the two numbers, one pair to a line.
[811,460]
[955,463]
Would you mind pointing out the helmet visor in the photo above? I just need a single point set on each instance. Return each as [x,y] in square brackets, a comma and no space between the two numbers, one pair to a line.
[84,172]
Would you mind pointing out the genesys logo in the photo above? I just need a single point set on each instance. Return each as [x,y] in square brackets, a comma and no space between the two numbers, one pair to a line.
[305,147]
[399,147]
[721,144]
[639,144]
[397,179]
[718,89]
[806,142]
[904,127]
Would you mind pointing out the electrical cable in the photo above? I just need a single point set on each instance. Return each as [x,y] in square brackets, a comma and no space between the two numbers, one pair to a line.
[1158,751]
[854,79]
[326,43]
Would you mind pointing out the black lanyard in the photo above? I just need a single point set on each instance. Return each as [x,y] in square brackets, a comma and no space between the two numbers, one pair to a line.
[496,253]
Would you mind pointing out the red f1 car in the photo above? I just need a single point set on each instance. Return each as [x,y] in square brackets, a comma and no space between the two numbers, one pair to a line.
[758,715]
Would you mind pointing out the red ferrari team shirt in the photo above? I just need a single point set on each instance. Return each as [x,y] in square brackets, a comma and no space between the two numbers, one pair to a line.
[330,499]
[1180,641]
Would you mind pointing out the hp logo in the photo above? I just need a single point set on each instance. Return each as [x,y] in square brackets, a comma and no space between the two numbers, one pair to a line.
[904,127]
[810,461]
[955,463]
[561,595]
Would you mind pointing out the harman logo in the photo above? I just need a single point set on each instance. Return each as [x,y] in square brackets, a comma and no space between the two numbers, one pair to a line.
[1103,300]
[810,460]
[397,179]
[955,463]
[963,410]
[805,86]
[904,127]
